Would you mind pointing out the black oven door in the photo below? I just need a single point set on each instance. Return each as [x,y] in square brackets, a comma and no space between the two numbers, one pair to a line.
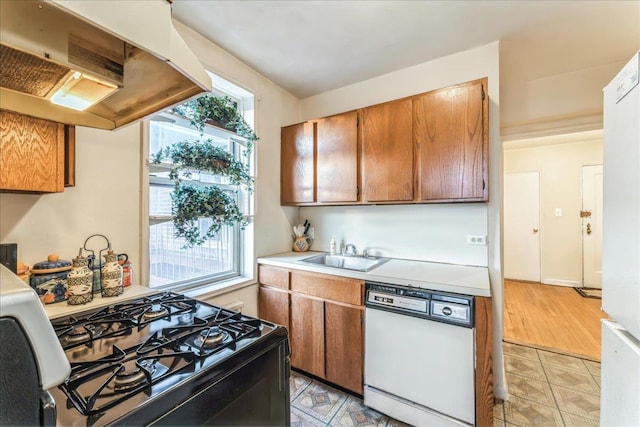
[254,393]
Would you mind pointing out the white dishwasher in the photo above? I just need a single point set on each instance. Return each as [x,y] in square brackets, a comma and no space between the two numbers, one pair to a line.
[419,355]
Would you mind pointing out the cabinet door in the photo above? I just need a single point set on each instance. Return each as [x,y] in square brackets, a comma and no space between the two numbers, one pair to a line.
[344,352]
[337,151]
[307,334]
[297,168]
[31,154]
[451,133]
[273,306]
[387,152]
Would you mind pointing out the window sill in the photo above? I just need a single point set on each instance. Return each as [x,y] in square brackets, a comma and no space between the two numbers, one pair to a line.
[216,289]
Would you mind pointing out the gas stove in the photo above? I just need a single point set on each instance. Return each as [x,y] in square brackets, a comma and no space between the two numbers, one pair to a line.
[170,359]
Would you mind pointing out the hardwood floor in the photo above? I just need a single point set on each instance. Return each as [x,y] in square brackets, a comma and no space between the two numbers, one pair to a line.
[554,317]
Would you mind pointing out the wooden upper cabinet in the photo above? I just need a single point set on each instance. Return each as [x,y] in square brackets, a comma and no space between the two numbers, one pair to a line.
[387,152]
[337,158]
[32,154]
[428,148]
[451,135]
[297,168]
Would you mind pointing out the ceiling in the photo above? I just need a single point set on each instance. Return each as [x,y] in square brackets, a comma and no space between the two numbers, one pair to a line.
[310,47]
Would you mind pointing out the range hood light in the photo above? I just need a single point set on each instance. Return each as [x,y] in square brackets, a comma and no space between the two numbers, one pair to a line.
[80,92]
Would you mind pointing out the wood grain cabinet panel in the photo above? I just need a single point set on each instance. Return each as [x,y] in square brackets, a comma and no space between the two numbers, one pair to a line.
[337,158]
[344,346]
[273,276]
[297,168]
[32,154]
[451,126]
[273,306]
[387,152]
[307,334]
[339,289]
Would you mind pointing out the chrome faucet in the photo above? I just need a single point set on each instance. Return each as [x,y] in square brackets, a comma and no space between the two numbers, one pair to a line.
[349,249]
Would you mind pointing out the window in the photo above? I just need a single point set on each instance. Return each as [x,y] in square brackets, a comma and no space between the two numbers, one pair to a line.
[171,264]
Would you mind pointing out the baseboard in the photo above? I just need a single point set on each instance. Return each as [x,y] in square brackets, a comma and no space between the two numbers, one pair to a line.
[559,282]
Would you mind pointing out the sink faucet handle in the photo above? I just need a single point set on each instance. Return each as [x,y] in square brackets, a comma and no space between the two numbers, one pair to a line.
[350,249]
[365,253]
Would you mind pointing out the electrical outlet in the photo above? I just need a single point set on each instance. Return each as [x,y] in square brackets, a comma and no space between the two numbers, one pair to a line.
[558,211]
[476,240]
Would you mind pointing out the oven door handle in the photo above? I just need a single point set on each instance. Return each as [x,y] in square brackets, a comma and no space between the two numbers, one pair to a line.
[48,405]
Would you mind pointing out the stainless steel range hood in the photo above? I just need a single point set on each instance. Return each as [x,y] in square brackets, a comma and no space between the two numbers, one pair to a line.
[122,58]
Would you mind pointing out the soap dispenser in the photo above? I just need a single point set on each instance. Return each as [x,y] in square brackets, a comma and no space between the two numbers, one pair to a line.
[332,246]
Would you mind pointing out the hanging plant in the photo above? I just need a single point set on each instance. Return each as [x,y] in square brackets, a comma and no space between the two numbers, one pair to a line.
[189,156]
[190,203]
[220,111]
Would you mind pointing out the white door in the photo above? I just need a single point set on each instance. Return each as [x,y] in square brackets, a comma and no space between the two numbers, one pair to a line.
[592,226]
[522,226]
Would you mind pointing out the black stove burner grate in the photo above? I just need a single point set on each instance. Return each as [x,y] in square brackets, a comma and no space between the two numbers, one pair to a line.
[155,340]
[113,383]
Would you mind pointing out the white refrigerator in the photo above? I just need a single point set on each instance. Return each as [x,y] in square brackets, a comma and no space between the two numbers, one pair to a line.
[620,378]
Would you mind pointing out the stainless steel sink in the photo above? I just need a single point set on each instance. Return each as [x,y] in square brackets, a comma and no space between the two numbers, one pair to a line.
[357,263]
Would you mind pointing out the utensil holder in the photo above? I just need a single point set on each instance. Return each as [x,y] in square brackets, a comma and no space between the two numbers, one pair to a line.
[302,244]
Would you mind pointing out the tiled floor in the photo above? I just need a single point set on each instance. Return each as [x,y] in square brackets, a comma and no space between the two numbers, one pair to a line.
[546,389]
[314,403]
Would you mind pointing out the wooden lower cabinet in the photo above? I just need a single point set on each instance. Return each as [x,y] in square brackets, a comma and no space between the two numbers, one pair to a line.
[273,306]
[307,334]
[324,316]
[344,346]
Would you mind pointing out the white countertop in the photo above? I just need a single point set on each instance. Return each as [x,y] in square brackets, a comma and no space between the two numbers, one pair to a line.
[60,309]
[460,279]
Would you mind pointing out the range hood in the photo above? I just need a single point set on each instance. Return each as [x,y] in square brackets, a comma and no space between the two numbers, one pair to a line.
[119,60]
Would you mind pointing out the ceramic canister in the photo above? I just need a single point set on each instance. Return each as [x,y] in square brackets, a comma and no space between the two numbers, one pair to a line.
[49,278]
[111,276]
[80,282]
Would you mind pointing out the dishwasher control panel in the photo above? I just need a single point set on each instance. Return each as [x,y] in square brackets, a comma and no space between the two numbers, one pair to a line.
[433,305]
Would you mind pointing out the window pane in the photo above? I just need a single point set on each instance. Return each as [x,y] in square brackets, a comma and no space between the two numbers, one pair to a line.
[169,262]
[160,200]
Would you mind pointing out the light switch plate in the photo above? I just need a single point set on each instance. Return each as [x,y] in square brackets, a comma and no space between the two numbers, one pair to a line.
[558,211]
[476,240]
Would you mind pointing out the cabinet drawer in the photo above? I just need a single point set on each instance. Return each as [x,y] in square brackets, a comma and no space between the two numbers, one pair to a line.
[333,288]
[273,276]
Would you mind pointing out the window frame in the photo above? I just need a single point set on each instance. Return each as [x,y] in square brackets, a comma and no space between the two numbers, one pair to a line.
[243,239]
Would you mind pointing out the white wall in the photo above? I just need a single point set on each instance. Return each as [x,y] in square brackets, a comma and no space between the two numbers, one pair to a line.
[436,238]
[563,103]
[559,162]
[435,232]
[105,200]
